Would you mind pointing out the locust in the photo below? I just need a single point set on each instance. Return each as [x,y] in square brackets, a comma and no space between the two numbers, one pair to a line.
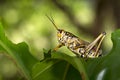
[78,46]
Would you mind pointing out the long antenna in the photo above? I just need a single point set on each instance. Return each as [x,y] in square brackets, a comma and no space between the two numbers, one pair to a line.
[53,22]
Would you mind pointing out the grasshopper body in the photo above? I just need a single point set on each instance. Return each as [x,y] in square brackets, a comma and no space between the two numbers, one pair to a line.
[80,47]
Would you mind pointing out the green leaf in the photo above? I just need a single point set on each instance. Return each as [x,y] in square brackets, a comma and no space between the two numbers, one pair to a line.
[47,54]
[19,53]
[107,67]
[55,69]
[59,67]
[77,63]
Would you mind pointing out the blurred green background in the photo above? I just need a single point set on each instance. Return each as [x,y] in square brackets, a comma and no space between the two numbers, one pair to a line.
[25,20]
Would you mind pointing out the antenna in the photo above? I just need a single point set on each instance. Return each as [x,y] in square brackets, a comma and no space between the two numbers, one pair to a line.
[53,22]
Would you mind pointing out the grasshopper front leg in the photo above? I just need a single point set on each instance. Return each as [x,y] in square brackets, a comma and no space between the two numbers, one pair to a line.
[59,46]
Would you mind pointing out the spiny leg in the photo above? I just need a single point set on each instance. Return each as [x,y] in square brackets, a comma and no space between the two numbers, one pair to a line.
[99,44]
[82,50]
[78,45]
[91,45]
[81,47]
[56,48]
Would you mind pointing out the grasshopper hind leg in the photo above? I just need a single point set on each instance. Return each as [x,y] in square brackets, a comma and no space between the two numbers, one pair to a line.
[93,50]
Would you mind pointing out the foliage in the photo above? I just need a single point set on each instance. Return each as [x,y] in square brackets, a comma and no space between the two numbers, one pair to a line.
[19,53]
[59,66]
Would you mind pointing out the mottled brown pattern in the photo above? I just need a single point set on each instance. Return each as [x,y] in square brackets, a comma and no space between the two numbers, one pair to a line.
[76,45]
